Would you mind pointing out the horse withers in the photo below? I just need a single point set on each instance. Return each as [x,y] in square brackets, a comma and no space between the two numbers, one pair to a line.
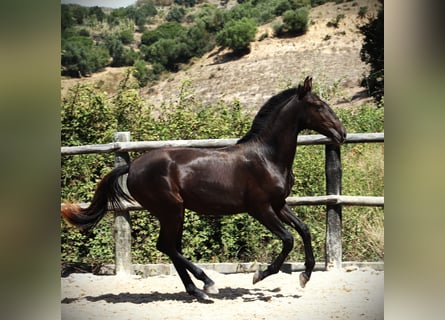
[253,176]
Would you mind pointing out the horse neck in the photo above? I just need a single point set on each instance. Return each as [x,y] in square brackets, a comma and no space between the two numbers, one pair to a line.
[281,137]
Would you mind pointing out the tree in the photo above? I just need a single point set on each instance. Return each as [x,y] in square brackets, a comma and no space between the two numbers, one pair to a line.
[97,12]
[187,3]
[121,56]
[176,13]
[81,57]
[168,53]
[126,36]
[198,40]
[168,30]
[295,21]
[281,7]
[237,35]
[372,53]
[142,73]
[212,17]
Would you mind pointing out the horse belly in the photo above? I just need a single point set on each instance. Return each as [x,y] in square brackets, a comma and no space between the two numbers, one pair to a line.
[213,200]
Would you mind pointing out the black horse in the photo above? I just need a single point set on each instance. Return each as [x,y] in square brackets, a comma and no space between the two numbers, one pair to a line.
[253,176]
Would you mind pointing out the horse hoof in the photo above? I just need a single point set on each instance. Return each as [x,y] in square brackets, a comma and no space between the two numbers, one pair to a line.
[303,279]
[211,289]
[201,296]
[258,276]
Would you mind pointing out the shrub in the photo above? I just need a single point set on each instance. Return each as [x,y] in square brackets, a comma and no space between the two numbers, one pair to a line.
[372,53]
[212,18]
[362,12]
[295,21]
[142,73]
[278,28]
[282,7]
[168,53]
[81,57]
[198,39]
[175,14]
[334,23]
[237,35]
[168,30]
[126,36]
[121,56]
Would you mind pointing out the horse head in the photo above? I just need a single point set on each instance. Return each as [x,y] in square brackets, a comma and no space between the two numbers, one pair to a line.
[318,115]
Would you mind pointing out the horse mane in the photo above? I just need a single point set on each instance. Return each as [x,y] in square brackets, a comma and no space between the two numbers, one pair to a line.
[268,112]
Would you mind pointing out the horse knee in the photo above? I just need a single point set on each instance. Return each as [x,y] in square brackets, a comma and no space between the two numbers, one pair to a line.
[304,230]
[288,242]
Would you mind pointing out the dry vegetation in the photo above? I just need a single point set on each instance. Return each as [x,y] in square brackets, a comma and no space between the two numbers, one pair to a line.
[330,55]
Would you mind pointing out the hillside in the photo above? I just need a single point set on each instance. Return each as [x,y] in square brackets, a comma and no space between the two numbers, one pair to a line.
[330,55]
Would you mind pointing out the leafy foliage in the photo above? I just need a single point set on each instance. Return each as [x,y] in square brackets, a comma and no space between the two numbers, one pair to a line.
[372,52]
[81,57]
[295,21]
[176,13]
[89,117]
[171,43]
[142,73]
[237,34]
[168,30]
[121,56]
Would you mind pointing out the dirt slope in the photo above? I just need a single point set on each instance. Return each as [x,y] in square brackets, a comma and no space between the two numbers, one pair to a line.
[331,55]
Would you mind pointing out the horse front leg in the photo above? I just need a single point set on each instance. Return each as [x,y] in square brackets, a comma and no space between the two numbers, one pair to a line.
[270,220]
[289,217]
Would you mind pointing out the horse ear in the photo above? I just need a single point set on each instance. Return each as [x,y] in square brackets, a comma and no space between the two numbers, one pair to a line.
[307,86]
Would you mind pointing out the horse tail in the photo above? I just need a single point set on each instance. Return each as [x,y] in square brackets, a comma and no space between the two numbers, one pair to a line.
[108,191]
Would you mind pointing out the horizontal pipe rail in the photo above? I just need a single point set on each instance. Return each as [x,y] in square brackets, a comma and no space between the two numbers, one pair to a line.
[291,201]
[369,201]
[207,143]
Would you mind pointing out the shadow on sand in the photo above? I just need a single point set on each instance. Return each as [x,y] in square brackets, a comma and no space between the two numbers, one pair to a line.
[246,295]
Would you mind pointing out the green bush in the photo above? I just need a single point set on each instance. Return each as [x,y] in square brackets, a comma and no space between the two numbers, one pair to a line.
[176,13]
[81,57]
[335,23]
[295,21]
[372,53]
[168,30]
[89,117]
[282,7]
[168,53]
[212,17]
[198,39]
[126,36]
[121,56]
[237,35]
[171,44]
[142,73]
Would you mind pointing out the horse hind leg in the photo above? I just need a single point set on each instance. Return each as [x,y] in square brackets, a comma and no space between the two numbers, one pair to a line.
[169,243]
[198,273]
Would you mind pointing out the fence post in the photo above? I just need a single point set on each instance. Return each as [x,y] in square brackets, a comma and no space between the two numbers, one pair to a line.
[122,228]
[333,171]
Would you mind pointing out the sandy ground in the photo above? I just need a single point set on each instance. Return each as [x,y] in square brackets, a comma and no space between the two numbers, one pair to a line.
[345,294]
